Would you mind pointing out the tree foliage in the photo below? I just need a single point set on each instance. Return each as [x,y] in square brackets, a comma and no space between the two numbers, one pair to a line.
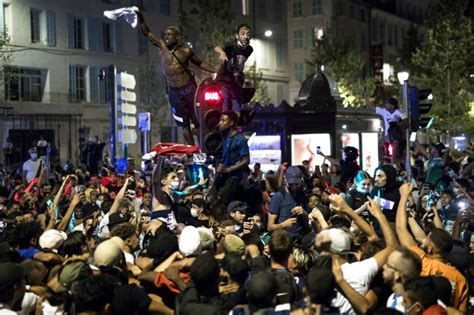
[441,63]
[254,77]
[341,63]
[206,24]
[152,96]
[6,55]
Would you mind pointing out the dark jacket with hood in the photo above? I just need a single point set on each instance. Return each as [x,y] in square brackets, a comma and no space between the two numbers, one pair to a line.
[389,191]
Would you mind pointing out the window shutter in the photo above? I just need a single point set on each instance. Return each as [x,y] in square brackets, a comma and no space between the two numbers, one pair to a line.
[51,28]
[92,32]
[72,83]
[93,84]
[118,38]
[102,91]
[70,27]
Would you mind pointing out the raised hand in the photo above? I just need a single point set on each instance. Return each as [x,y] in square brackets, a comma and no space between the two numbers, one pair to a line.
[406,189]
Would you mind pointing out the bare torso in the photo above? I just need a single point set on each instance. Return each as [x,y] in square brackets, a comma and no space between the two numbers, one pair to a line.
[175,73]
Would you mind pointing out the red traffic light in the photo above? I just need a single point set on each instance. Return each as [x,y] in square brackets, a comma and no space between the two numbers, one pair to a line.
[212,96]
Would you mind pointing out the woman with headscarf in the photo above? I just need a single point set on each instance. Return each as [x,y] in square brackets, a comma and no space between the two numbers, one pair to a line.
[385,190]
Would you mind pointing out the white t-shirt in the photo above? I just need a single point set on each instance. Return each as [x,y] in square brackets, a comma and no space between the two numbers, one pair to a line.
[389,117]
[395,301]
[358,275]
[28,304]
[31,168]
[129,258]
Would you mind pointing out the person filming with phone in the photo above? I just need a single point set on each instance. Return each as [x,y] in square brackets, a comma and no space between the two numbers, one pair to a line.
[288,205]
[385,191]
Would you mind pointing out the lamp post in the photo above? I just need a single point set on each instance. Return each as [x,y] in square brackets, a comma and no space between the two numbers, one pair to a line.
[403,79]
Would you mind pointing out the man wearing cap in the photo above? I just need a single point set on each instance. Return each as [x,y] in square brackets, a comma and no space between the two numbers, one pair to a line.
[237,212]
[12,288]
[287,208]
[436,246]
[31,166]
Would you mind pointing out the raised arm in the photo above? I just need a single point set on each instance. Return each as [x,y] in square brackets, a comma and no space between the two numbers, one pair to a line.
[62,226]
[59,194]
[360,304]
[119,197]
[201,64]
[388,234]
[155,40]
[338,203]
[416,229]
[401,221]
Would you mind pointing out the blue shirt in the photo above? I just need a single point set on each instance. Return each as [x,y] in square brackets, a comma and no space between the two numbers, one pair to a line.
[234,149]
[281,204]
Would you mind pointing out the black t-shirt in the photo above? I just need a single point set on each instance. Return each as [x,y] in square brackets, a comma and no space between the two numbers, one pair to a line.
[237,56]
[130,299]
[349,170]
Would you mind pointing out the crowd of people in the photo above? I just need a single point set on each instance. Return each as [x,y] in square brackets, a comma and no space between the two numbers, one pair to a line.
[298,240]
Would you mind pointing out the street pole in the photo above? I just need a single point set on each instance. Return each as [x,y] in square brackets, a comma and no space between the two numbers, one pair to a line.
[406,107]
[111,72]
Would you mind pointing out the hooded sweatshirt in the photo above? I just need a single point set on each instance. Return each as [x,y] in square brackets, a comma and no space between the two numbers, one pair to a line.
[389,191]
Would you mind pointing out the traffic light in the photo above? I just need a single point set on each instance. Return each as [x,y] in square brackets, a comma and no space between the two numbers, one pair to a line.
[209,100]
[419,105]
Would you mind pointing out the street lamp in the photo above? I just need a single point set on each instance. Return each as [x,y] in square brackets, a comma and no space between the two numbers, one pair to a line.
[402,77]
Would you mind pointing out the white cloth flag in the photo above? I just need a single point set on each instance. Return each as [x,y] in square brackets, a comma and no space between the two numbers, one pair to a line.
[127,13]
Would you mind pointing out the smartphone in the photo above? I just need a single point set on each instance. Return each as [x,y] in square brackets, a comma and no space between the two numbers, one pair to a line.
[384,203]
[318,149]
[49,202]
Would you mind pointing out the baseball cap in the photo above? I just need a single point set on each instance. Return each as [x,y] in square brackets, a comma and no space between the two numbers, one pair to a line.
[293,175]
[340,240]
[237,205]
[52,239]
[71,272]
[234,244]
[189,241]
[109,252]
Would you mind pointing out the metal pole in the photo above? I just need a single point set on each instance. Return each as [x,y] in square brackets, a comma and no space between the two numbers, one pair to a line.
[406,107]
[111,72]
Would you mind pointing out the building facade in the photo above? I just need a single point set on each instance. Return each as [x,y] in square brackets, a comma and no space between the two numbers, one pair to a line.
[375,29]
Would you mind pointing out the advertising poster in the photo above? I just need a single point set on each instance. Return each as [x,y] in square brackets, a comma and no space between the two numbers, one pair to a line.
[304,147]
[370,152]
[265,150]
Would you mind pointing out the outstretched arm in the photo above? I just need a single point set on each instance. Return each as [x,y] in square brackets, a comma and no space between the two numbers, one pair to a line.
[388,234]
[404,235]
[201,64]
[155,40]
[222,55]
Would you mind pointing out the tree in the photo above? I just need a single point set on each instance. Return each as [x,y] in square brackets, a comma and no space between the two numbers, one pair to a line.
[5,55]
[152,96]
[254,77]
[441,63]
[336,58]
[206,24]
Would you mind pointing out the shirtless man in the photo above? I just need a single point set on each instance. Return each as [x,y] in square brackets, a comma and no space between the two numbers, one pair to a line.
[181,83]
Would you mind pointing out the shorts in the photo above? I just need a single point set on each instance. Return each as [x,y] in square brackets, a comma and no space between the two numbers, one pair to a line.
[182,104]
